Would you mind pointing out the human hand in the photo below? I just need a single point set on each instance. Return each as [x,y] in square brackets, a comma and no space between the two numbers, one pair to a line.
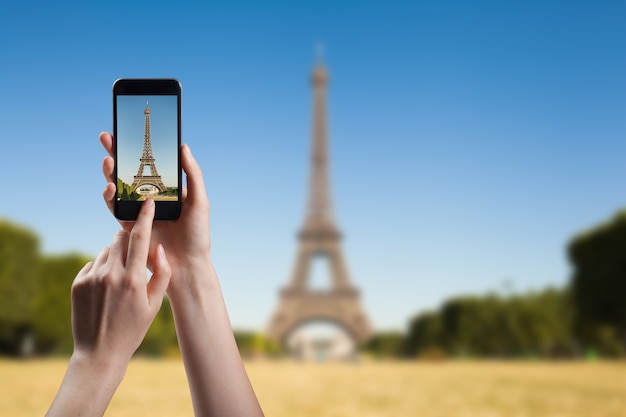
[112,309]
[187,239]
[202,323]
[112,304]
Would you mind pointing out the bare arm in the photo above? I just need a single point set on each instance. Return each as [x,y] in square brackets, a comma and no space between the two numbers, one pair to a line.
[217,378]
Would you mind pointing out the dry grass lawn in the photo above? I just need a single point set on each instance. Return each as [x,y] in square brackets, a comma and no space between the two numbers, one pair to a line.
[158,388]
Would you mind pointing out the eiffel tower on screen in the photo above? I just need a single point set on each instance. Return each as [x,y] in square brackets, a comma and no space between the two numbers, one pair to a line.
[147,160]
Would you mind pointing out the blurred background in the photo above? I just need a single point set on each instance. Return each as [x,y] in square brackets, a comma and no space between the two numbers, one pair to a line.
[477,175]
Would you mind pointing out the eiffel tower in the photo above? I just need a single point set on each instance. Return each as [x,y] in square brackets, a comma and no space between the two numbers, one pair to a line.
[319,236]
[147,159]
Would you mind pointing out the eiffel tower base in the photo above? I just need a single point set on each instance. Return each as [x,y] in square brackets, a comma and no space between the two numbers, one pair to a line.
[154,180]
[341,307]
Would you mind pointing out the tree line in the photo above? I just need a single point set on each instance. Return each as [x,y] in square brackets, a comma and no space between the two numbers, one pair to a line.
[35,305]
[585,318]
[127,193]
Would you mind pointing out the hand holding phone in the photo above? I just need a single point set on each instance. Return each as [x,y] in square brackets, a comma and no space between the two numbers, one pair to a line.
[146,147]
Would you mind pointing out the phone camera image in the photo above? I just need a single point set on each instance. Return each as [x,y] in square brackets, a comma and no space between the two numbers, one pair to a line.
[147,148]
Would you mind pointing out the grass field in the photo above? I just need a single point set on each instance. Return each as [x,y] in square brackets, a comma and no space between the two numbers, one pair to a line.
[158,388]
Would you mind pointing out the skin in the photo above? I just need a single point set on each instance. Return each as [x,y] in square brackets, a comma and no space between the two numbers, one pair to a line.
[217,379]
[112,309]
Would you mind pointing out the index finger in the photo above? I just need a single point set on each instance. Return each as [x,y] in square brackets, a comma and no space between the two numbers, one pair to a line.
[139,241]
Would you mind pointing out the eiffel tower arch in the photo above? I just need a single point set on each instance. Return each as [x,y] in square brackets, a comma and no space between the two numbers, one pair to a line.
[147,160]
[319,237]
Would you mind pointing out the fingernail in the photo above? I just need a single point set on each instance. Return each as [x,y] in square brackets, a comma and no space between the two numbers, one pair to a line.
[161,251]
[149,202]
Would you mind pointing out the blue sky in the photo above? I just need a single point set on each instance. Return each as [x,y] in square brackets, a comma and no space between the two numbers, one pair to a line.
[470,140]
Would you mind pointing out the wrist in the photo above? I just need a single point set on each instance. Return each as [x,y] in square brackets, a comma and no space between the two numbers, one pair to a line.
[109,368]
[192,280]
[88,385]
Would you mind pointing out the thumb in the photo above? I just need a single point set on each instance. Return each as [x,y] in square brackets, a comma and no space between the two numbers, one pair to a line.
[162,272]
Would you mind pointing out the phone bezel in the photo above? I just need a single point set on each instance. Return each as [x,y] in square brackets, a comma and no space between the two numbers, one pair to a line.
[164,210]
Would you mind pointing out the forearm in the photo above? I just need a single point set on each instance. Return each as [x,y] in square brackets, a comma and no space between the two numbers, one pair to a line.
[218,381]
[88,386]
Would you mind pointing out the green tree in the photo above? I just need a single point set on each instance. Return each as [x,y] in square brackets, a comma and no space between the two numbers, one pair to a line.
[599,284]
[426,334]
[161,336]
[126,192]
[538,323]
[253,344]
[389,344]
[19,263]
[52,321]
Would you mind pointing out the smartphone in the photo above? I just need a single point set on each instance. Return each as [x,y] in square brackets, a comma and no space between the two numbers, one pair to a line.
[146,146]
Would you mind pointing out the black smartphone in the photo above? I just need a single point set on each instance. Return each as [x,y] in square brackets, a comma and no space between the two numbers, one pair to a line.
[146,146]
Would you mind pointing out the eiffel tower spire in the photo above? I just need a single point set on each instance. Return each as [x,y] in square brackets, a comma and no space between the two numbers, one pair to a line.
[147,141]
[147,159]
[319,214]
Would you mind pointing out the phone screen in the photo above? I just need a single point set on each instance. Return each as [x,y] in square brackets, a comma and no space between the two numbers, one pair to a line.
[147,150]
